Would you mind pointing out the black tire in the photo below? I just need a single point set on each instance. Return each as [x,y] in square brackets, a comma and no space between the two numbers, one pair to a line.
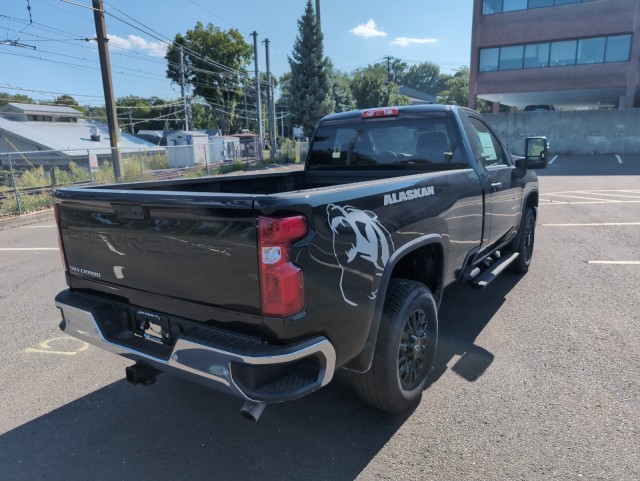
[405,349]
[525,242]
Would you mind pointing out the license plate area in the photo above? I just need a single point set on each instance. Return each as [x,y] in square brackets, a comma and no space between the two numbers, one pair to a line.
[153,327]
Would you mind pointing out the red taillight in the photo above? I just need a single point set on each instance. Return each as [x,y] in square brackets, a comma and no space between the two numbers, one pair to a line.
[56,210]
[386,112]
[281,282]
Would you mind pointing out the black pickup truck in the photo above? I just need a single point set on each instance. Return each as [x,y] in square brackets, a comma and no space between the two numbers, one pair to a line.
[263,285]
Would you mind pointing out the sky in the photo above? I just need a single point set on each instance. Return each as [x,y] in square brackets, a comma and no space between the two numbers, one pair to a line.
[356,33]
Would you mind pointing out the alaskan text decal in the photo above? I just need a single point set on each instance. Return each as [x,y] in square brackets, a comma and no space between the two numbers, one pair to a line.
[410,194]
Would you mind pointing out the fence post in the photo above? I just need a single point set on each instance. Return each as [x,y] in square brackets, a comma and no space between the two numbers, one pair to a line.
[13,184]
[141,163]
[52,174]
[91,173]
[206,158]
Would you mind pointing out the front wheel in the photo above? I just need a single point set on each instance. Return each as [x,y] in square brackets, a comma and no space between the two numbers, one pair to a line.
[405,349]
[525,242]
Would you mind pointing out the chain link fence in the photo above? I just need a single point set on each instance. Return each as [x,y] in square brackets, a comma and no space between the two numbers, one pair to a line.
[28,180]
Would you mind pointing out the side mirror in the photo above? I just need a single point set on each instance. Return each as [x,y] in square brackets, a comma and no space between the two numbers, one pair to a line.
[536,153]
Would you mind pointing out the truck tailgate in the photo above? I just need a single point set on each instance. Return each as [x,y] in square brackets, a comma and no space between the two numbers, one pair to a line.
[200,248]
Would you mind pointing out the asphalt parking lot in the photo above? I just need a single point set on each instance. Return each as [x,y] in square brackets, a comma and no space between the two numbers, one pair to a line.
[537,376]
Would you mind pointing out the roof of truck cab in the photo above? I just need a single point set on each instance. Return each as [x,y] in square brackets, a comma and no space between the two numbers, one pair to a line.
[404,109]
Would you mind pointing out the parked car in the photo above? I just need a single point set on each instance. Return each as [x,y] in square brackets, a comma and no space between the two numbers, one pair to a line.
[539,108]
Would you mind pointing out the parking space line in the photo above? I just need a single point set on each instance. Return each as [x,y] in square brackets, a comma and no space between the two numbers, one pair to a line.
[619,158]
[618,195]
[606,224]
[18,249]
[36,226]
[553,159]
[580,197]
[618,263]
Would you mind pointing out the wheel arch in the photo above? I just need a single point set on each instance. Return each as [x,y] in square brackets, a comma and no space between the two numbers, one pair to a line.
[531,199]
[427,252]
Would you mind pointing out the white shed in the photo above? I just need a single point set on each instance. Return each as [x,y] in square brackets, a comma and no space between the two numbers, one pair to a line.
[186,149]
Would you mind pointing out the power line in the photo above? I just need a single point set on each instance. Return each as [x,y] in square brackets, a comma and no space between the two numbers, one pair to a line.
[46,92]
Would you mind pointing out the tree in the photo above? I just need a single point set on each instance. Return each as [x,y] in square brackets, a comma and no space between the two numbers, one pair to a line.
[161,114]
[424,76]
[215,62]
[69,101]
[339,89]
[309,87]
[456,89]
[370,88]
[395,69]
[202,115]
[5,98]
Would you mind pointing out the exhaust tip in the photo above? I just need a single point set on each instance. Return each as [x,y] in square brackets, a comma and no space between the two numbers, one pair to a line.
[252,410]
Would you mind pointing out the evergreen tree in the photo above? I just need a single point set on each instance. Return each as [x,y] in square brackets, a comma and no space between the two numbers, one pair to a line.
[309,80]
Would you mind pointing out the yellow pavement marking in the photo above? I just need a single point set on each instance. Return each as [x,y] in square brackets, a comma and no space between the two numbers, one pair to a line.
[46,346]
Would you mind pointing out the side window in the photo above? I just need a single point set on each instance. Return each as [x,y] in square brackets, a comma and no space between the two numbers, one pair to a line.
[486,147]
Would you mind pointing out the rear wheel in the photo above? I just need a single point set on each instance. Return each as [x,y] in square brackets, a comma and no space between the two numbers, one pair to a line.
[405,349]
[525,242]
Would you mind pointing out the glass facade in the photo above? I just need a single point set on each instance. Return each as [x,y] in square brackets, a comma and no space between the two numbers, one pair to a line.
[489,7]
[618,48]
[614,48]
[591,50]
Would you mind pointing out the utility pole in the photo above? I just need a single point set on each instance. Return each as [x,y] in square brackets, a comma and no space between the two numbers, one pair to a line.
[109,101]
[131,123]
[258,106]
[318,14]
[246,113]
[388,58]
[182,91]
[270,104]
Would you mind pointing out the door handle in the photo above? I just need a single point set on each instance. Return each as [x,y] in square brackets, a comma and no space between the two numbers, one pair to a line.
[496,186]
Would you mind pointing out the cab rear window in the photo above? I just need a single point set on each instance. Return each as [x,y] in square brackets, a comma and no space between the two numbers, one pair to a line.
[430,142]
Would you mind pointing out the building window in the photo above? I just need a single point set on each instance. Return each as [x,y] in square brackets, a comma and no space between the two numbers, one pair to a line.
[489,7]
[511,57]
[591,50]
[563,53]
[513,5]
[536,55]
[489,58]
[540,3]
[618,48]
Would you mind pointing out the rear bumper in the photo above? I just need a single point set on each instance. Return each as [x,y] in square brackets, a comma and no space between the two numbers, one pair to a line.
[238,365]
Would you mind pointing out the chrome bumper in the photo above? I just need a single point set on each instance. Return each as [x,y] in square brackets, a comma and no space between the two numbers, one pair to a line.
[215,358]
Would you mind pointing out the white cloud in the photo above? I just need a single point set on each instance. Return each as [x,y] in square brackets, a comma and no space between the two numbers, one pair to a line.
[405,41]
[368,30]
[133,42]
